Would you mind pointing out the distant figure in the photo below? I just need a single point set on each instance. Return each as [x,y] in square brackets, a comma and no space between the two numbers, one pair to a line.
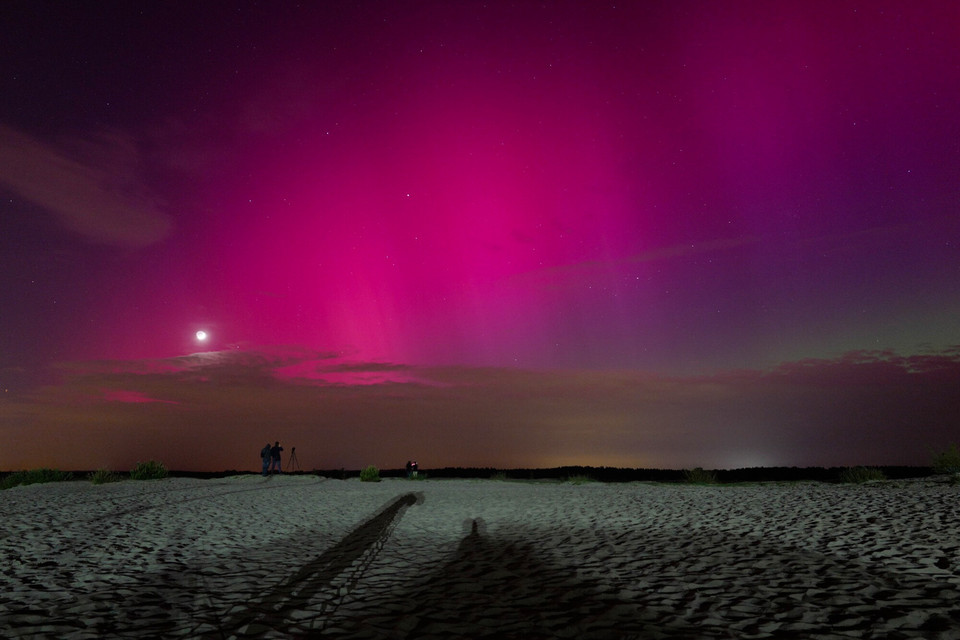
[275,456]
[265,458]
[409,469]
[413,469]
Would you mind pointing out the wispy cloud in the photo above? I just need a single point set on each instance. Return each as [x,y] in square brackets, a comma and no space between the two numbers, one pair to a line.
[551,275]
[91,185]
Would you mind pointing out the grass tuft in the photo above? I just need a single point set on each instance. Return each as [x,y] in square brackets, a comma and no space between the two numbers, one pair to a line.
[149,470]
[499,476]
[947,461]
[580,479]
[104,476]
[860,475]
[370,474]
[699,476]
[34,476]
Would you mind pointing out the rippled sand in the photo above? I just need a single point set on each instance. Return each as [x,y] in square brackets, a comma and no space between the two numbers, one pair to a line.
[304,556]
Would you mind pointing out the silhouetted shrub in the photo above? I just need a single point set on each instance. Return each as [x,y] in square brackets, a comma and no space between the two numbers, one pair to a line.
[699,476]
[499,476]
[370,474]
[103,476]
[580,479]
[947,461]
[34,476]
[149,470]
[859,475]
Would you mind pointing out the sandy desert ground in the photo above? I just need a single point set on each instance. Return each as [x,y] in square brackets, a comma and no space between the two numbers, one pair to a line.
[304,556]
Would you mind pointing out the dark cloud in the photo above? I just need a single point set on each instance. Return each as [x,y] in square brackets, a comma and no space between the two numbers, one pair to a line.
[208,411]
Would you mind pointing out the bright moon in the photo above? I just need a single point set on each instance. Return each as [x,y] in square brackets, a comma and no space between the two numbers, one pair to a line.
[201,335]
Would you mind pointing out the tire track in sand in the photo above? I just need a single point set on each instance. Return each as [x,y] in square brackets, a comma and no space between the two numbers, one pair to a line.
[354,552]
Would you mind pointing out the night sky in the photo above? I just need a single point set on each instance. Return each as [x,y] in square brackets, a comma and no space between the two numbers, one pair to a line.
[641,234]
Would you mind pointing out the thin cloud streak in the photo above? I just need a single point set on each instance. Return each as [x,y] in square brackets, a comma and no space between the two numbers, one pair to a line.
[553,274]
[93,190]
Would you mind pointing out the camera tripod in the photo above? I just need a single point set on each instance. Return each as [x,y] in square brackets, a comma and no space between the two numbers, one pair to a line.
[293,463]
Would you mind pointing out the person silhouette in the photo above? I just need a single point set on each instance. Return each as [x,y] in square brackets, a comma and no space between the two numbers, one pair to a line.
[265,459]
[275,457]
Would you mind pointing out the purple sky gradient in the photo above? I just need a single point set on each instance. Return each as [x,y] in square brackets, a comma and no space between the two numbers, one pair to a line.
[503,234]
